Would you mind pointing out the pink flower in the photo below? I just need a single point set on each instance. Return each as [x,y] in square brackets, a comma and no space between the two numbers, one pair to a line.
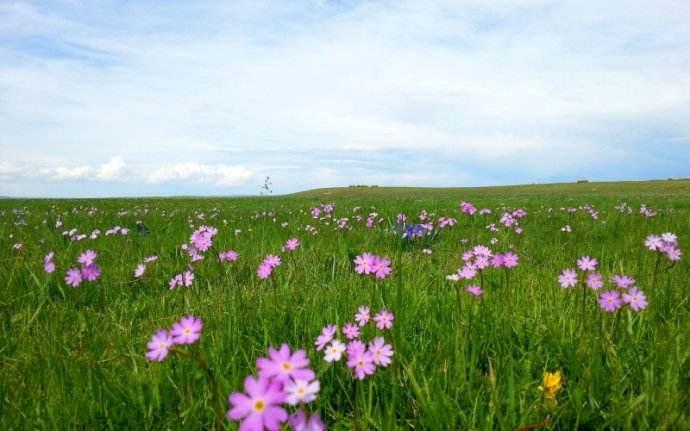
[351,331]
[474,290]
[384,319]
[187,330]
[291,244]
[610,301]
[334,351]
[497,261]
[87,257]
[48,263]
[587,263]
[636,299]
[264,271]
[300,422]
[228,256]
[654,242]
[362,316]
[150,259]
[568,278]
[362,364]
[202,238]
[364,263]
[595,281]
[674,254]
[91,272]
[326,336]
[467,272]
[272,261]
[381,352]
[187,278]
[623,281]
[259,408]
[73,277]
[354,347]
[381,267]
[510,260]
[159,346]
[140,270]
[283,365]
[301,391]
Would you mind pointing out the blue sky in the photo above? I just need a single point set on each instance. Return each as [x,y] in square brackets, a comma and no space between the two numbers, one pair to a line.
[132,98]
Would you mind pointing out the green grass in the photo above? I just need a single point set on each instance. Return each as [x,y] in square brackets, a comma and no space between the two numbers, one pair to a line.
[74,358]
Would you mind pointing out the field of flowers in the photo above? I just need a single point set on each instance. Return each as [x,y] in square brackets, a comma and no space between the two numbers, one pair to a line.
[561,307]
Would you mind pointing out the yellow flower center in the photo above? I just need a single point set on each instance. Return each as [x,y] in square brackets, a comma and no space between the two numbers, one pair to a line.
[286,366]
[259,405]
[187,331]
[360,363]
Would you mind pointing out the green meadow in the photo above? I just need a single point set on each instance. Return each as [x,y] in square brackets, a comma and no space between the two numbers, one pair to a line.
[73,358]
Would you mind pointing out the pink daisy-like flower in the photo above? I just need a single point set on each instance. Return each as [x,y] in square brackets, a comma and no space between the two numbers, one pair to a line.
[73,277]
[272,260]
[187,330]
[654,242]
[334,351]
[610,301]
[594,281]
[91,272]
[474,290]
[586,263]
[228,256]
[381,352]
[326,336]
[384,319]
[264,271]
[636,299]
[381,267]
[497,261]
[568,278]
[467,272]
[259,407]
[362,364]
[283,365]
[351,331]
[623,281]
[510,260]
[87,257]
[187,278]
[301,391]
[673,253]
[300,422]
[364,263]
[291,244]
[362,316]
[354,347]
[159,346]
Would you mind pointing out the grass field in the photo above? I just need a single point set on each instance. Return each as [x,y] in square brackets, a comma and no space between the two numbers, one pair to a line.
[74,357]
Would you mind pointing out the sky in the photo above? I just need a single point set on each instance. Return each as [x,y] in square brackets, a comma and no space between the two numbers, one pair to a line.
[151,98]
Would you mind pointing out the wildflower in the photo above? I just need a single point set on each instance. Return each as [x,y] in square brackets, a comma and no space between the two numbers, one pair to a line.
[594,281]
[384,319]
[187,330]
[381,352]
[354,347]
[159,345]
[91,272]
[259,408]
[301,391]
[568,278]
[610,301]
[362,364]
[587,263]
[326,336]
[48,263]
[202,238]
[264,271]
[635,299]
[150,259]
[291,244]
[300,422]
[552,384]
[73,277]
[272,261]
[283,365]
[351,331]
[139,270]
[474,290]
[467,272]
[87,257]
[510,260]
[187,278]
[228,256]
[362,316]
[623,281]
[654,242]
[381,267]
[364,263]
[334,351]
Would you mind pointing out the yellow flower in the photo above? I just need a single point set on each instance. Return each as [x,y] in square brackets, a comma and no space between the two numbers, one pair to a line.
[553,382]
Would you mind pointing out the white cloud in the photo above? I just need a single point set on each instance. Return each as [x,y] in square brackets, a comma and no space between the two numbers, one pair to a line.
[111,170]
[69,173]
[219,175]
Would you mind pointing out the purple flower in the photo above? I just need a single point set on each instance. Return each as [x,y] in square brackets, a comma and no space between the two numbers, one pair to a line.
[91,272]
[381,352]
[272,261]
[362,316]
[87,257]
[594,281]
[474,290]
[228,256]
[73,277]
[300,422]
[587,263]
[381,267]
[384,319]
[610,301]
[48,263]
[187,330]
[362,364]
[623,281]
[510,260]
[159,346]
[364,263]
[351,331]
[568,278]
[283,365]
[291,244]
[636,299]
[326,336]
[264,271]
[259,408]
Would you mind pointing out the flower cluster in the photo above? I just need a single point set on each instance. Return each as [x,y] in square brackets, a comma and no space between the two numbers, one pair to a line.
[202,238]
[467,208]
[184,279]
[185,331]
[481,257]
[265,269]
[117,230]
[362,359]
[369,264]
[141,268]
[284,380]
[628,294]
[569,277]
[89,270]
[666,244]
